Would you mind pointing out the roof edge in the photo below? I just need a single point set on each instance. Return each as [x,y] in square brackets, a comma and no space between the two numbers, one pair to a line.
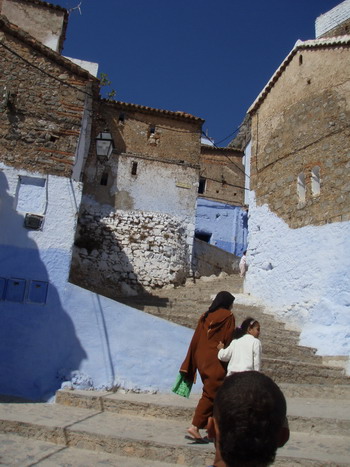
[29,40]
[207,148]
[142,108]
[47,5]
[299,45]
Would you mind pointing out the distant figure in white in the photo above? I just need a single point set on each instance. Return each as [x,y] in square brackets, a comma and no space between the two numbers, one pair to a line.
[243,265]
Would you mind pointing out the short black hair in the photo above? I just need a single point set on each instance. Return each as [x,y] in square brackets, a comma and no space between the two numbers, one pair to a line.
[250,410]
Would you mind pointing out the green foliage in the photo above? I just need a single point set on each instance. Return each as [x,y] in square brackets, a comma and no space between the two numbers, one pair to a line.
[105,82]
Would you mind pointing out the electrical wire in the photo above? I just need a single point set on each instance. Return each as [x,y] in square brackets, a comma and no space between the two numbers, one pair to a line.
[43,71]
[226,183]
[231,134]
[90,95]
[227,157]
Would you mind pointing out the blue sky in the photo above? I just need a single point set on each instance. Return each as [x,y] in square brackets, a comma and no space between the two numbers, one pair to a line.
[210,58]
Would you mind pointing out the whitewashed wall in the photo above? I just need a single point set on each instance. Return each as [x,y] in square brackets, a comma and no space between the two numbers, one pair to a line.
[76,337]
[332,18]
[302,275]
[158,187]
[121,251]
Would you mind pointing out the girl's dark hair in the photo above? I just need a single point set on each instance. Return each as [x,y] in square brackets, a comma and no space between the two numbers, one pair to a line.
[241,331]
[222,300]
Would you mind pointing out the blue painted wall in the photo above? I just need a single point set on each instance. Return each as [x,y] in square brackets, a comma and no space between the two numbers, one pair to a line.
[70,335]
[227,225]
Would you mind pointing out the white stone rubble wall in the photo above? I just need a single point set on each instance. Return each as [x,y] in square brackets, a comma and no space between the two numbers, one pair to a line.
[125,250]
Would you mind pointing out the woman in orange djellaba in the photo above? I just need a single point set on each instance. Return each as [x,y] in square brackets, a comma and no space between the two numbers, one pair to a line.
[215,325]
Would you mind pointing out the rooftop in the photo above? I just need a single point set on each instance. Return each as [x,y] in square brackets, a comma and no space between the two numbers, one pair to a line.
[299,45]
[150,110]
[23,36]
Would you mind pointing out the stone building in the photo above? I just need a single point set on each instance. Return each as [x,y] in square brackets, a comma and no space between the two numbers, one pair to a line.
[221,218]
[53,332]
[300,173]
[43,107]
[45,22]
[222,175]
[300,204]
[137,218]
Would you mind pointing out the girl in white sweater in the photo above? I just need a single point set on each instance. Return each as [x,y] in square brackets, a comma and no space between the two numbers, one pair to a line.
[244,352]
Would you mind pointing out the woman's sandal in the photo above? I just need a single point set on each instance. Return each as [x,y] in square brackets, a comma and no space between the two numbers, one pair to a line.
[197,440]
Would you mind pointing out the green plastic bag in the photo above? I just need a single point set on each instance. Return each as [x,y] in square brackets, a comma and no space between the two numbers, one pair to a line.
[182,387]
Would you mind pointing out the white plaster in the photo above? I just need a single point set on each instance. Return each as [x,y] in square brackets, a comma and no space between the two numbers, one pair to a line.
[63,197]
[332,18]
[91,67]
[224,222]
[77,336]
[171,185]
[32,195]
[246,163]
[303,276]
[207,141]
[84,140]
[52,42]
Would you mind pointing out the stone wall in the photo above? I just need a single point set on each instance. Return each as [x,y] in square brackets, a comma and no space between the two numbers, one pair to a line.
[300,133]
[170,136]
[47,23]
[209,260]
[136,182]
[243,136]
[149,184]
[124,252]
[223,172]
[42,114]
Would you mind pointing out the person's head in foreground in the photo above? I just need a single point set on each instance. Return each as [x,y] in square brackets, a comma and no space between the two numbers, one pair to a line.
[249,421]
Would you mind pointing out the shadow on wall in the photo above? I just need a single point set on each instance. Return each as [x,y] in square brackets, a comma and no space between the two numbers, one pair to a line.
[100,264]
[38,344]
[124,253]
[208,260]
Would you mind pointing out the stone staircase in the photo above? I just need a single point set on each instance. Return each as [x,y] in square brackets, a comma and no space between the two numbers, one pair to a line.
[283,359]
[90,428]
[87,428]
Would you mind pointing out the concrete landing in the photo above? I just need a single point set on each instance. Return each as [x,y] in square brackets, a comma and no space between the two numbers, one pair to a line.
[115,429]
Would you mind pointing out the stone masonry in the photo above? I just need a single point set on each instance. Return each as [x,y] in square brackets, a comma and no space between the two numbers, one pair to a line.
[45,22]
[138,210]
[124,252]
[223,172]
[43,99]
[300,135]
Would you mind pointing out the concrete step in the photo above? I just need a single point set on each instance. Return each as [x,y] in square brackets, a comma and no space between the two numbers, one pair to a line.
[16,451]
[134,434]
[295,352]
[283,358]
[307,414]
[318,391]
[140,437]
[188,316]
[275,344]
[283,370]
